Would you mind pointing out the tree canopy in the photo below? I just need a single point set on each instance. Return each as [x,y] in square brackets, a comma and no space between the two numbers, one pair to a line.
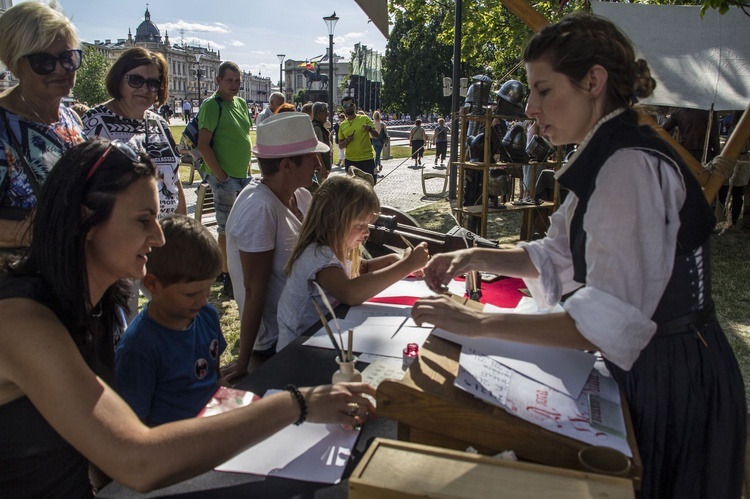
[420,46]
[89,85]
[415,63]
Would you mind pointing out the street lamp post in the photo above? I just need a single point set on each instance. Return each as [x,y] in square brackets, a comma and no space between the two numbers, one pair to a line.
[330,23]
[281,68]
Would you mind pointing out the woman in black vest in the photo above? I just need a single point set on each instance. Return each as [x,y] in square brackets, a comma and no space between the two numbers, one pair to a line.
[631,242]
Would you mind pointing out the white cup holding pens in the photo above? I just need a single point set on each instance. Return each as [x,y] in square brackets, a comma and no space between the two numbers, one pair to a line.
[345,358]
[347,370]
[347,366]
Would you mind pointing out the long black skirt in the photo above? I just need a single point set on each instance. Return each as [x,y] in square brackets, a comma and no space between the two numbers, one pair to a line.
[687,403]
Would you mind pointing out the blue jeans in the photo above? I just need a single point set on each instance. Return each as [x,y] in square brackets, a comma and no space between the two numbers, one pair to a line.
[224,195]
[377,144]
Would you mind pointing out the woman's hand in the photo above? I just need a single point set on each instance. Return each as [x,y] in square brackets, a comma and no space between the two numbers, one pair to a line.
[443,267]
[447,314]
[342,403]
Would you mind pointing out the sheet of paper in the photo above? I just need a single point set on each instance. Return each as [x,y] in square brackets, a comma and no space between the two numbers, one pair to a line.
[606,416]
[378,329]
[550,409]
[382,369]
[417,288]
[564,369]
[360,313]
[495,377]
[383,337]
[310,452]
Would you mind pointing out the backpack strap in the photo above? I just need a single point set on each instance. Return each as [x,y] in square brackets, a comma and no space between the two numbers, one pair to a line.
[218,103]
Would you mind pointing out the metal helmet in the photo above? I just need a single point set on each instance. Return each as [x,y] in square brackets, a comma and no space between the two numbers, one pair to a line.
[511,98]
[478,94]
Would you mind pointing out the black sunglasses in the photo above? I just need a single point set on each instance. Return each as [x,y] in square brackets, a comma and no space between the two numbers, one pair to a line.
[44,63]
[137,81]
[121,146]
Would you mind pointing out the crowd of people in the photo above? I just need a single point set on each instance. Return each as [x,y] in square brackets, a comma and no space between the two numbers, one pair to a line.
[82,370]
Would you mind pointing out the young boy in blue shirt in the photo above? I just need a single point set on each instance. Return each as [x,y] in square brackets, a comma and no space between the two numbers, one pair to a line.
[167,361]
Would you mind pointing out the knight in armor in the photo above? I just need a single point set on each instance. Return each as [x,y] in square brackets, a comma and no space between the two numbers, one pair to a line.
[509,144]
[627,256]
[477,97]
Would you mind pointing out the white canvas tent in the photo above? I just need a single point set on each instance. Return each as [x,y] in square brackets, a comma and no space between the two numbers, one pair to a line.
[696,62]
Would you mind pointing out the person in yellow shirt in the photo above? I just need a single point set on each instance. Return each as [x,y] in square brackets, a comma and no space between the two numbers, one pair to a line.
[354,137]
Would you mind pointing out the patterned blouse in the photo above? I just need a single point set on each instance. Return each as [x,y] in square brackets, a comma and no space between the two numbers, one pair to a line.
[102,122]
[42,144]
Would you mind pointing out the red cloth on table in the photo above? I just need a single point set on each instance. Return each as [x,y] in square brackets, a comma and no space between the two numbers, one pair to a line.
[502,293]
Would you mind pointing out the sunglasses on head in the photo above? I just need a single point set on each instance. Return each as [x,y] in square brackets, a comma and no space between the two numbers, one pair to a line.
[44,63]
[137,81]
[121,146]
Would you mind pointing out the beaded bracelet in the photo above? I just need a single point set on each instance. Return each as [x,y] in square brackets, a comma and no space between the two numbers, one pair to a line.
[300,401]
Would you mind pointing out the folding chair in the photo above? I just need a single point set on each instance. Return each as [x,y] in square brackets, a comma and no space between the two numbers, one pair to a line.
[433,175]
[204,206]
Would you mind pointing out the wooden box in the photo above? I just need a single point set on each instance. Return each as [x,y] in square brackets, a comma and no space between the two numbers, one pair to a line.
[393,470]
[431,411]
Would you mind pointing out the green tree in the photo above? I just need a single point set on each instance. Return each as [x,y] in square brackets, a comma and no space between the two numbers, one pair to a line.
[492,37]
[414,65]
[89,85]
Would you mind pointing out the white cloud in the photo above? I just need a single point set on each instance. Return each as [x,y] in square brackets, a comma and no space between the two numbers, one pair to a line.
[236,43]
[340,39]
[202,42]
[195,27]
[353,34]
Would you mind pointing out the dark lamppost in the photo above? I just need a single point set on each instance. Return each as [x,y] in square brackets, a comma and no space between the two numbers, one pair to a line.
[330,23]
[281,68]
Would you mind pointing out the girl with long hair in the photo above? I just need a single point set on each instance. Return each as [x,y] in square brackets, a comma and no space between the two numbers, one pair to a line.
[328,251]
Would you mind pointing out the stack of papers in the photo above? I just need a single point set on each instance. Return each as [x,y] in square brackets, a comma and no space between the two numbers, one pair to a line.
[491,380]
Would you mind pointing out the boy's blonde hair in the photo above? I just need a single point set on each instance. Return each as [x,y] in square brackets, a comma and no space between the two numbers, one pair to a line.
[339,203]
[190,252]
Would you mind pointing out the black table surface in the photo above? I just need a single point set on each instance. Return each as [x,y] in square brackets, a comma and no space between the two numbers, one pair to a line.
[302,366]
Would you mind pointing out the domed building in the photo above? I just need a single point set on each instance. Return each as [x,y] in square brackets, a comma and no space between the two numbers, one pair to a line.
[183,61]
[147,31]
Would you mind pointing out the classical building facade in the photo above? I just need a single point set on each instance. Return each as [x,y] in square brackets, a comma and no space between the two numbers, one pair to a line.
[184,63]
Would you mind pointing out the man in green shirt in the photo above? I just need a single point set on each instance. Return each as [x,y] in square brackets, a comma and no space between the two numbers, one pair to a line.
[224,142]
[355,133]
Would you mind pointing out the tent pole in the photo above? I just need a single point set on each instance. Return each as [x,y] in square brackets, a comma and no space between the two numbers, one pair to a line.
[732,149]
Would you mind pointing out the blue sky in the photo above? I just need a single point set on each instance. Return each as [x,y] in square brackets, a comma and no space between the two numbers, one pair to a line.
[248,32]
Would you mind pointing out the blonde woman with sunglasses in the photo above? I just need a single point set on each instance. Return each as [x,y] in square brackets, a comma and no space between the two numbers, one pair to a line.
[40,47]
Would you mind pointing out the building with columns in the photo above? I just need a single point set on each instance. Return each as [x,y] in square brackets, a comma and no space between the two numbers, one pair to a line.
[184,62]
